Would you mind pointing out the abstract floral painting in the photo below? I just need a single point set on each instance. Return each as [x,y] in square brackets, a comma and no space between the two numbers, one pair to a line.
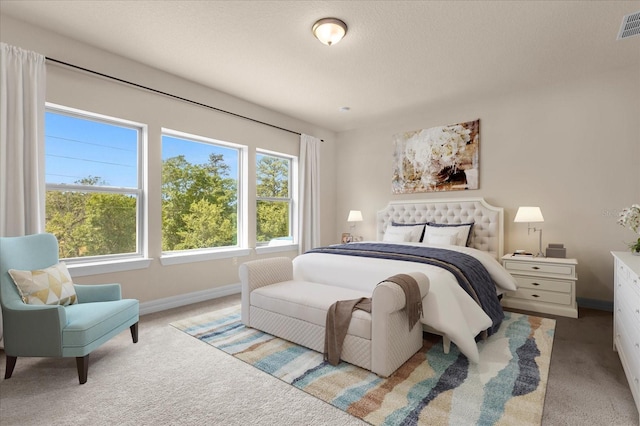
[443,158]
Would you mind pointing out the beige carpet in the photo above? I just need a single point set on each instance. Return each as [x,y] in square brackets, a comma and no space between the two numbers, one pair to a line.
[172,378]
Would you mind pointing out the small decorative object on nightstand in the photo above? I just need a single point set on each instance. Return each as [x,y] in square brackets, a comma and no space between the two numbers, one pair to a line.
[545,285]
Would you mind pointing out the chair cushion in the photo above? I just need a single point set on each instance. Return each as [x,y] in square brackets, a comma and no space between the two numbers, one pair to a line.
[309,302]
[49,286]
[87,322]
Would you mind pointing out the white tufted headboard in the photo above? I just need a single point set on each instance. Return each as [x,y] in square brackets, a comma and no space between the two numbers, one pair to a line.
[489,220]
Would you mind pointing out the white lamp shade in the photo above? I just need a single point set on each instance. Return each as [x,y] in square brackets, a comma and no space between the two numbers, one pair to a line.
[529,214]
[355,216]
[329,30]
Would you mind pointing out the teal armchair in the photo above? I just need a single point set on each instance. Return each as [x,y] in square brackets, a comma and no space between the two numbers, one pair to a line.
[55,330]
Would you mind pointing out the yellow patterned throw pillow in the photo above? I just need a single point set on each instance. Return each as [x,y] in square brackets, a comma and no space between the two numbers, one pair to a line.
[50,286]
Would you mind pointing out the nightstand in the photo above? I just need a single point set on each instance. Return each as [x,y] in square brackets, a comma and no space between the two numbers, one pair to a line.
[545,284]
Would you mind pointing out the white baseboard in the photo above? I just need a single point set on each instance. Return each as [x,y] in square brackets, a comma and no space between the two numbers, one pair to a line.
[187,299]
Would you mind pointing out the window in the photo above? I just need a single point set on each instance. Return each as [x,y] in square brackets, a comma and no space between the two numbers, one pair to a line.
[200,179]
[274,209]
[94,183]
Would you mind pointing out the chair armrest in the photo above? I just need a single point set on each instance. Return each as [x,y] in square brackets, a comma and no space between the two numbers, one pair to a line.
[33,330]
[260,273]
[98,292]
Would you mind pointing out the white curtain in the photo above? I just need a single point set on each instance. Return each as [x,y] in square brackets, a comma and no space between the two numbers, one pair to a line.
[22,102]
[22,183]
[309,211]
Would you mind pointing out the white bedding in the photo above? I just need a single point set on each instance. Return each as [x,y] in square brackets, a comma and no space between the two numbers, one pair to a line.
[447,307]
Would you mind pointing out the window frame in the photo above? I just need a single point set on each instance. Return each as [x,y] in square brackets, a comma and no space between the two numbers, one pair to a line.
[211,253]
[89,265]
[292,200]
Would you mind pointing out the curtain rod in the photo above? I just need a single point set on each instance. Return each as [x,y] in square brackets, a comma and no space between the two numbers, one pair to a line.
[171,95]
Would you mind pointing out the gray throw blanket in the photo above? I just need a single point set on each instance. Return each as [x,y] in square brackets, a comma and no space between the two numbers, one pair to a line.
[339,315]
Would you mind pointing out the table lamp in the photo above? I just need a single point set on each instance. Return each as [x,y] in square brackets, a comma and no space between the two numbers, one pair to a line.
[529,215]
[354,217]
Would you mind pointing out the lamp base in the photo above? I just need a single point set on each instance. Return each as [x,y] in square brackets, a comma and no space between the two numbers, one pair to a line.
[540,254]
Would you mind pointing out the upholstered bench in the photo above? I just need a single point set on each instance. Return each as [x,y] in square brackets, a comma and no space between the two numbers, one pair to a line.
[380,341]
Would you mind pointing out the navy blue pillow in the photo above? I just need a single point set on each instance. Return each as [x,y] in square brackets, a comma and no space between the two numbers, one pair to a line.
[448,225]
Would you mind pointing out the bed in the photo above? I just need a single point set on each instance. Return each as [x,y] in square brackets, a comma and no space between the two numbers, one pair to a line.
[449,309]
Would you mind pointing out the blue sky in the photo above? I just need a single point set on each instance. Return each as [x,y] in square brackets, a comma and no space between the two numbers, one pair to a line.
[77,148]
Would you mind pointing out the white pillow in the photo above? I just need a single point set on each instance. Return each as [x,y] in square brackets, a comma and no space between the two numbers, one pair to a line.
[441,239]
[460,232]
[397,234]
[416,230]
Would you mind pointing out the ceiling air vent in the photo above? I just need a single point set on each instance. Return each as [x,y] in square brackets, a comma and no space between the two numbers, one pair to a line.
[630,26]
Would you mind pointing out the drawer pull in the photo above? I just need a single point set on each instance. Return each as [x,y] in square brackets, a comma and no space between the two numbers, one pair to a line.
[535,267]
[535,283]
[535,295]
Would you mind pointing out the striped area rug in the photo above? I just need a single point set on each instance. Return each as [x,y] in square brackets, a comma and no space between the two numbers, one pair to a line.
[507,387]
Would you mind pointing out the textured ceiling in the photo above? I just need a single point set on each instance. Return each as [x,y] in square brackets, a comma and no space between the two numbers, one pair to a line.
[397,55]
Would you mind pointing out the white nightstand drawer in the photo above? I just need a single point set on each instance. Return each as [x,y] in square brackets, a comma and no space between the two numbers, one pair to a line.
[542,296]
[536,283]
[539,268]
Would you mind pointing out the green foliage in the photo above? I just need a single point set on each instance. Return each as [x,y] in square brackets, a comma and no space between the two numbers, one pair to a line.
[207,225]
[91,223]
[272,220]
[272,182]
[272,177]
[199,204]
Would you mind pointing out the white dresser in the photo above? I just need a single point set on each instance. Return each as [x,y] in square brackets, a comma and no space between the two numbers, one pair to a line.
[545,284]
[626,317]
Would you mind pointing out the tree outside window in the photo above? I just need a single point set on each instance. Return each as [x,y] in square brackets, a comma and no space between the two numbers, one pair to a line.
[199,194]
[274,203]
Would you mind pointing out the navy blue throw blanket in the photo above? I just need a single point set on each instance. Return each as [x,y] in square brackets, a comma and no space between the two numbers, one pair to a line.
[472,276]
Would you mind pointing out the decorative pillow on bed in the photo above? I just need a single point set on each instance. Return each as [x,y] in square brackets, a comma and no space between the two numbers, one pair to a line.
[449,240]
[50,286]
[417,230]
[461,230]
[397,234]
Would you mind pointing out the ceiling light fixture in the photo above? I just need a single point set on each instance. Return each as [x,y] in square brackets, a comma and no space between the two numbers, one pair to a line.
[329,30]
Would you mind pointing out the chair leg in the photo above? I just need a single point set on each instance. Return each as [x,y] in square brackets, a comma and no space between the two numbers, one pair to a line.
[82,362]
[134,332]
[11,364]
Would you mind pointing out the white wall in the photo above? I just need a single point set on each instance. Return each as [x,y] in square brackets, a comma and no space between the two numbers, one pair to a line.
[87,92]
[572,148]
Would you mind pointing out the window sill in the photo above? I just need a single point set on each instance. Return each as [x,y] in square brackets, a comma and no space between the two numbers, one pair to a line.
[106,267]
[200,256]
[276,249]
